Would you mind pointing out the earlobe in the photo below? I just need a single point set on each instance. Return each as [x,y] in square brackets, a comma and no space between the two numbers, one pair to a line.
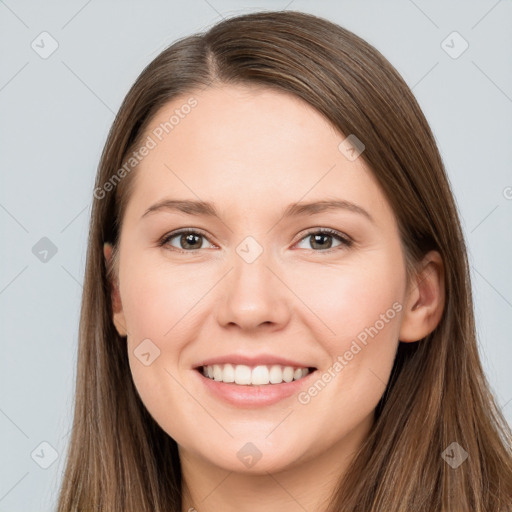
[425,300]
[117,307]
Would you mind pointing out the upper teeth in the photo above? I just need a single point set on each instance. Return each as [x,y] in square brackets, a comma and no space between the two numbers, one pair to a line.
[242,374]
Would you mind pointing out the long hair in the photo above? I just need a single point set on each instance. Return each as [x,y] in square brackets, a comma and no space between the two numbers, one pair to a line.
[119,459]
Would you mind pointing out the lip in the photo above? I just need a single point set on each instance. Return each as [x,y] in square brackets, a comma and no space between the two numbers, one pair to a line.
[249,396]
[262,359]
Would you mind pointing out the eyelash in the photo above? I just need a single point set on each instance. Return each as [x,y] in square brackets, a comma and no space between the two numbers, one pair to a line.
[346,241]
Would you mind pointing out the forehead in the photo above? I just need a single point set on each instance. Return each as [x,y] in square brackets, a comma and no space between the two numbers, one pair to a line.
[249,148]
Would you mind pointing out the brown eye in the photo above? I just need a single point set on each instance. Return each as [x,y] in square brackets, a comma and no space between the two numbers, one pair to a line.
[187,240]
[322,240]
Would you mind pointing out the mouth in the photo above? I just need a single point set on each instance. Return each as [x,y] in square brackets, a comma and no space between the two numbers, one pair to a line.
[260,375]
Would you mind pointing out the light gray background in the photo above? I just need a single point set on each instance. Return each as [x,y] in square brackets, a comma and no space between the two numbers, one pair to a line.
[55,115]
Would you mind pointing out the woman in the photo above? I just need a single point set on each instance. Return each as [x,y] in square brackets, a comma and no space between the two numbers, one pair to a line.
[277,309]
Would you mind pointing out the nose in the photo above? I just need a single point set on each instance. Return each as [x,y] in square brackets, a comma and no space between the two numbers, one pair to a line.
[253,295]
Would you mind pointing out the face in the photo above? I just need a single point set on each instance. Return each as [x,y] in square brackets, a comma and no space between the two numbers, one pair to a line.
[268,289]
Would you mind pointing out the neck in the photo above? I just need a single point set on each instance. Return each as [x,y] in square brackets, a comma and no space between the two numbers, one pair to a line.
[305,485]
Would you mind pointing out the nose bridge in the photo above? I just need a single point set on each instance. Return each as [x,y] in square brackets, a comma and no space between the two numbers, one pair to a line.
[252,294]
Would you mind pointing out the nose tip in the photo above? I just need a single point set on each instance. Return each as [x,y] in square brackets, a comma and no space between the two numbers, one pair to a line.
[252,297]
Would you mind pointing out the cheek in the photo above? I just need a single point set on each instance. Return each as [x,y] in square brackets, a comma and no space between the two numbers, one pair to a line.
[159,308]
[349,298]
[159,300]
[158,386]
[360,305]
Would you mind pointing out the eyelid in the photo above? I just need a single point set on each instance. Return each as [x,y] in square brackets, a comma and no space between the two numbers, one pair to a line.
[165,239]
[327,231]
[346,240]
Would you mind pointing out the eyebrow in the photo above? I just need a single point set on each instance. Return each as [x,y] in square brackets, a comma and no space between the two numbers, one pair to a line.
[295,209]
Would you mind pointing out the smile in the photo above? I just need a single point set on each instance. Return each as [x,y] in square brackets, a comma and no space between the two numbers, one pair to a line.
[253,376]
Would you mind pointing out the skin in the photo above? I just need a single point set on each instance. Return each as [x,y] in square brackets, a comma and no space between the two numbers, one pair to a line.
[252,152]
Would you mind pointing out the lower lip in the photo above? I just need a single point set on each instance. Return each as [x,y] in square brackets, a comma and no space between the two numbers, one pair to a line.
[254,396]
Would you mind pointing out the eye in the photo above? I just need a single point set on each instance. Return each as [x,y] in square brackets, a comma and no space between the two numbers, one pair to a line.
[321,238]
[187,239]
[190,240]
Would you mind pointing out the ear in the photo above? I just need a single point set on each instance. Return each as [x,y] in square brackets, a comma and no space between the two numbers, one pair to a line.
[115,297]
[425,300]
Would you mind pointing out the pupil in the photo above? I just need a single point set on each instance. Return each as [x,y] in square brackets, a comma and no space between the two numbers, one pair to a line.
[318,237]
[189,239]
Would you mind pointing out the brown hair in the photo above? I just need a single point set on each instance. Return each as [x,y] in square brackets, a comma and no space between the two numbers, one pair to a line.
[119,459]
